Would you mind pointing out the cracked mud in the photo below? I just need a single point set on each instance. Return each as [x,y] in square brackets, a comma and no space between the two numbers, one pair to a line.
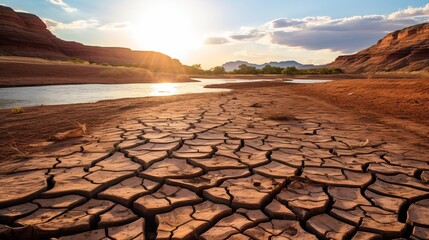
[220,169]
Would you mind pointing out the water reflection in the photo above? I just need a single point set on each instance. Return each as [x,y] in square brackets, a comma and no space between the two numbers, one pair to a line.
[84,93]
[164,89]
[307,81]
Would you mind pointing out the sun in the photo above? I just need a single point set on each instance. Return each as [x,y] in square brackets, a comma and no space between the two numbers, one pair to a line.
[167,28]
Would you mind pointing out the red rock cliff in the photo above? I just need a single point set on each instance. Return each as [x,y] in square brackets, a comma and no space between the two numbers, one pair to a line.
[404,50]
[24,34]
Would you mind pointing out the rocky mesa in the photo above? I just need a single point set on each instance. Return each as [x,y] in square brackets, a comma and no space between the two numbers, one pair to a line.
[405,50]
[26,35]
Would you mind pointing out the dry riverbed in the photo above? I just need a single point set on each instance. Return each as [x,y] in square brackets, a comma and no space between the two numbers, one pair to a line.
[280,160]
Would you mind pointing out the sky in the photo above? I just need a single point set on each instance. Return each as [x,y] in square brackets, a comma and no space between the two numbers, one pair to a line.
[212,32]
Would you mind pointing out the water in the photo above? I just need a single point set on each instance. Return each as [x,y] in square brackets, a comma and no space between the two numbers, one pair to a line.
[85,93]
[306,81]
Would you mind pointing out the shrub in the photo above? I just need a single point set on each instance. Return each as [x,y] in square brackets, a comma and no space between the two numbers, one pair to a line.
[76,60]
[17,110]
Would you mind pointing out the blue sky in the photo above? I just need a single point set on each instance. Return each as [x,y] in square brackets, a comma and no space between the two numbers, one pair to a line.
[212,32]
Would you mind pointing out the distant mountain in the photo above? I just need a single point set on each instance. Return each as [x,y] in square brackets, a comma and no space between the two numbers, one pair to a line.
[230,66]
[404,50]
[26,35]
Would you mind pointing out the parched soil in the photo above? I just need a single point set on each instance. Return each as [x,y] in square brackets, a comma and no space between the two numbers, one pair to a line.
[41,123]
[406,99]
[256,163]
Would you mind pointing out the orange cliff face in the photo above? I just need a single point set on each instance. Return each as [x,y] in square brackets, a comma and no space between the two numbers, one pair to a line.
[24,34]
[405,50]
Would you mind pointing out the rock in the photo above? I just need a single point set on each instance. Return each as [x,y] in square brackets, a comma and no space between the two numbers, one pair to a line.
[405,50]
[24,34]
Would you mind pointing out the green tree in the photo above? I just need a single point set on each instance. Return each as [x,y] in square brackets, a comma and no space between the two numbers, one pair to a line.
[268,69]
[218,70]
[197,66]
[244,69]
[290,71]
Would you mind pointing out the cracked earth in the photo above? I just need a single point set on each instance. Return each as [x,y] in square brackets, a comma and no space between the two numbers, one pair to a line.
[219,168]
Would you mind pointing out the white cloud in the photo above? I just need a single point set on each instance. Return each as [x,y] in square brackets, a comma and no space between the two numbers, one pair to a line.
[20,10]
[52,24]
[345,35]
[63,5]
[410,12]
[81,24]
[114,26]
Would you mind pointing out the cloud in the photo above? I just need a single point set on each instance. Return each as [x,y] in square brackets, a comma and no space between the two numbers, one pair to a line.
[346,35]
[249,34]
[21,11]
[82,24]
[216,41]
[78,24]
[246,54]
[410,12]
[114,26]
[63,5]
[299,23]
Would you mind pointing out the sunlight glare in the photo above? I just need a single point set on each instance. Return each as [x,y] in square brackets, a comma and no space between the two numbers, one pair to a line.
[167,28]
[164,89]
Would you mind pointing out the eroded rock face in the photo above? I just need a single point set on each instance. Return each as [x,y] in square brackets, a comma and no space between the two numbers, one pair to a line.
[404,50]
[24,34]
[201,173]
